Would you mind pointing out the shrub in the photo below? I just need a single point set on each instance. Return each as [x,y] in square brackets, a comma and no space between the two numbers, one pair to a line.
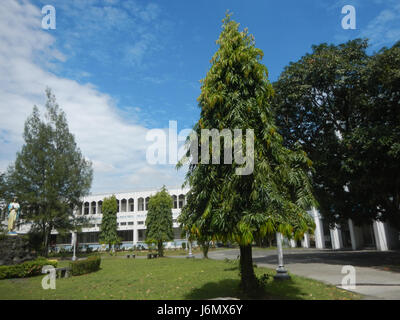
[26,269]
[88,265]
[183,245]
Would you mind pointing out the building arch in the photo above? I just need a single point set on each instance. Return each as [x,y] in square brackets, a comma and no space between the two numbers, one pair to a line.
[100,207]
[124,205]
[140,204]
[181,200]
[86,208]
[93,207]
[175,201]
[131,205]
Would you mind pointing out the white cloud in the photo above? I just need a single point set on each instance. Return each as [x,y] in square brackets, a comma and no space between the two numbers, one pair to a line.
[384,29]
[116,147]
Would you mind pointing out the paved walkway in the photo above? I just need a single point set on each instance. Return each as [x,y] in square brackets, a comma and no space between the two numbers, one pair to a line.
[326,266]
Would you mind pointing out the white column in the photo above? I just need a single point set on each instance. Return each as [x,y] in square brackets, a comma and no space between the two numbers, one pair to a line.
[381,236]
[135,236]
[319,231]
[354,243]
[292,243]
[306,241]
[336,238]
[90,207]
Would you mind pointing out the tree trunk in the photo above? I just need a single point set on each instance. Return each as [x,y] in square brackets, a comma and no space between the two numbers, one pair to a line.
[160,248]
[46,243]
[248,281]
[205,246]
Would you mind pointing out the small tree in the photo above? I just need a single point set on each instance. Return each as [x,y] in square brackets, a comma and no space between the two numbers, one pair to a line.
[50,175]
[108,230]
[159,219]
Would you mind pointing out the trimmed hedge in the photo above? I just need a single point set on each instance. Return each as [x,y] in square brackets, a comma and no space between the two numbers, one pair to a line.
[25,269]
[88,265]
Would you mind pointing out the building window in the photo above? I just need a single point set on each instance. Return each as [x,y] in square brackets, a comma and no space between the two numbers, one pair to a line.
[123,223]
[100,204]
[123,205]
[93,207]
[174,198]
[117,205]
[78,209]
[147,203]
[140,204]
[140,222]
[126,235]
[130,223]
[131,204]
[86,208]
[181,201]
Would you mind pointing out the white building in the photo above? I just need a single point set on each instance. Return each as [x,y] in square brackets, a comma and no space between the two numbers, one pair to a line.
[131,217]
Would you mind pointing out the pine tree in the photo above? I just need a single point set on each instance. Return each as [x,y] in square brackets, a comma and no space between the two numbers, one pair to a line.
[50,174]
[235,94]
[159,219]
[109,228]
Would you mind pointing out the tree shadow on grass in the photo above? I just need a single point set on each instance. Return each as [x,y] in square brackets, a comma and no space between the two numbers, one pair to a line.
[274,290]
[210,290]
[283,290]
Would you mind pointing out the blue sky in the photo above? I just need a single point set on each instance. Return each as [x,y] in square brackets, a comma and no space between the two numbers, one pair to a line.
[138,64]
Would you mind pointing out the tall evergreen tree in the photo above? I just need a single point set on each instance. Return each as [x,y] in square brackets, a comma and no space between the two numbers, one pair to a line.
[50,174]
[235,94]
[159,219]
[109,228]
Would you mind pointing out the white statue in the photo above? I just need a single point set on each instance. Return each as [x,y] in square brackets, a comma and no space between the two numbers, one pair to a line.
[13,216]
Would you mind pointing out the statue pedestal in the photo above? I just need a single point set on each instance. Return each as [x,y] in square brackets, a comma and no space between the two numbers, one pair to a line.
[14,249]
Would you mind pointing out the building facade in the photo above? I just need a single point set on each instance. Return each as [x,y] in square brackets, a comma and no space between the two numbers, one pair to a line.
[132,213]
[131,218]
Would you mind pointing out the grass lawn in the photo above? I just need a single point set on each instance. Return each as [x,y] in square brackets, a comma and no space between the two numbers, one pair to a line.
[167,252]
[165,278]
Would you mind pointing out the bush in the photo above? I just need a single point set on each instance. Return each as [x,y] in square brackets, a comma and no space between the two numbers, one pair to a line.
[89,265]
[26,269]
[183,245]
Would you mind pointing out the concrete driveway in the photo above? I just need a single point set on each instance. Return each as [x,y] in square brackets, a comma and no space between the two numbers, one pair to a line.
[326,266]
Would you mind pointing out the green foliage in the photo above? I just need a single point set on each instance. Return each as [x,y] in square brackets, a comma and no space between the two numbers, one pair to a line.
[159,219]
[342,106]
[108,230]
[88,265]
[50,175]
[236,93]
[25,269]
